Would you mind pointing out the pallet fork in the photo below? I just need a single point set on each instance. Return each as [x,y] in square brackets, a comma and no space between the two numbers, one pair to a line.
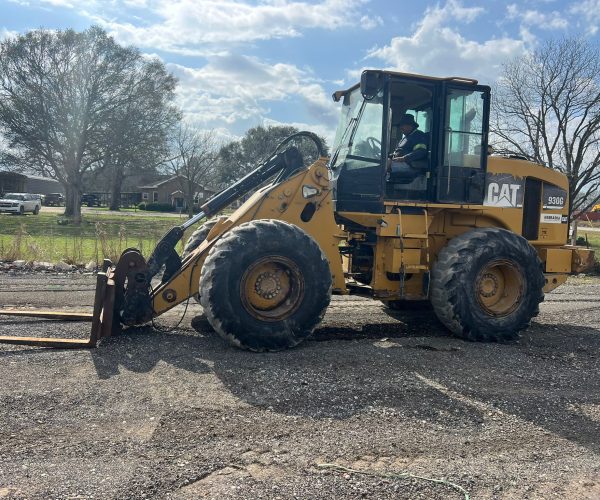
[102,317]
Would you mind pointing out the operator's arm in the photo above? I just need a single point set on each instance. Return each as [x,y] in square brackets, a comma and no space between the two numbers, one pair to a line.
[414,148]
[418,152]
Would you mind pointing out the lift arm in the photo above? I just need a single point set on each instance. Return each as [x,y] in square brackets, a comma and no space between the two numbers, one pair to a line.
[281,164]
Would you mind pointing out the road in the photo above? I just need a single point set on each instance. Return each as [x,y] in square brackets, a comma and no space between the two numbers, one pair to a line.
[180,414]
[96,211]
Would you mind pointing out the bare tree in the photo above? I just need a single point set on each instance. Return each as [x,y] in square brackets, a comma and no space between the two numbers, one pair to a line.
[547,107]
[60,93]
[194,154]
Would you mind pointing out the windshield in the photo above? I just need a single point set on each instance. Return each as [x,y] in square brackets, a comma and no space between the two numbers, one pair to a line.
[13,196]
[358,135]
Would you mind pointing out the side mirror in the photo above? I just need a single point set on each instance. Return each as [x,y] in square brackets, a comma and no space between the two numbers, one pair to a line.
[371,82]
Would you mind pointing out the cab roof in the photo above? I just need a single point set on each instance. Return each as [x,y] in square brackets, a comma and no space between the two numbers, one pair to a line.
[338,94]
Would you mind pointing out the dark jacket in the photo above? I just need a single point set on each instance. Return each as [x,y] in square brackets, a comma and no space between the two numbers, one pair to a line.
[412,146]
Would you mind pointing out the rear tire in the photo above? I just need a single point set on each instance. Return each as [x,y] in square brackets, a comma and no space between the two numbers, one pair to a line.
[487,284]
[265,285]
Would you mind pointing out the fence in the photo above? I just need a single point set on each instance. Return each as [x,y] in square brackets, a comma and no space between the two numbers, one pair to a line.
[37,239]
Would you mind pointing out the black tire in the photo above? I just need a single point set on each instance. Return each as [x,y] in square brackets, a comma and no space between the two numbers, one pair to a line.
[36,210]
[295,297]
[198,236]
[21,210]
[487,284]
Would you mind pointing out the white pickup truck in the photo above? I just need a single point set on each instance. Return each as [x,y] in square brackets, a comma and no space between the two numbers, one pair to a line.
[19,203]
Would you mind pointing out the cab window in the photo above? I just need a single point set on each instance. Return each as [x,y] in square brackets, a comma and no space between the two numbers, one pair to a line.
[464,129]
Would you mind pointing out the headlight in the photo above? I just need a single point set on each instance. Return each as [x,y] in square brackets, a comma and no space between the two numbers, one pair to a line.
[15,205]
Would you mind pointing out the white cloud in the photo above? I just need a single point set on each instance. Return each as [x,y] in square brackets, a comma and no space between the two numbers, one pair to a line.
[328,133]
[232,88]
[438,48]
[194,27]
[368,23]
[4,33]
[544,20]
[588,11]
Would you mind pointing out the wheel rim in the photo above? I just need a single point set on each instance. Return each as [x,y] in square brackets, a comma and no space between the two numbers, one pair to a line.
[499,287]
[272,288]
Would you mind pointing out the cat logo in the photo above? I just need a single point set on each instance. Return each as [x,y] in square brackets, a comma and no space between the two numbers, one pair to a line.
[504,195]
[503,191]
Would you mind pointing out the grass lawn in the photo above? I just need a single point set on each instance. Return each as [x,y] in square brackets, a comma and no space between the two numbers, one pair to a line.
[593,238]
[46,237]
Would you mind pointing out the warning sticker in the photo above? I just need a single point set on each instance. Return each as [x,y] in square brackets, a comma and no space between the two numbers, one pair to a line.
[553,219]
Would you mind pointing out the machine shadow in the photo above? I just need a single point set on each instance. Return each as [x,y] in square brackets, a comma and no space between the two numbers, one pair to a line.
[338,380]
[419,322]
[140,349]
[327,379]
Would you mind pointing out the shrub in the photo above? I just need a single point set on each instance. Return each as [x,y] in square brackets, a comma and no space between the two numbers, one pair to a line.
[160,207]
[142,205]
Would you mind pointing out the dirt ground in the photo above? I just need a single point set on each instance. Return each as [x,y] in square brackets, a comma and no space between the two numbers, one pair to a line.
[179,414]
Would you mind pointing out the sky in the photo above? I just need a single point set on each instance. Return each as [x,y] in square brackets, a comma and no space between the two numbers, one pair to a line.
[242,63]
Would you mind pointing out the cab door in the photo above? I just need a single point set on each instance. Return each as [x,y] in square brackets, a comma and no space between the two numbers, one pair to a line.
[463,143]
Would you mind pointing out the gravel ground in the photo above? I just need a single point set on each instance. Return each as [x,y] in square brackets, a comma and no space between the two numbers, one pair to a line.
[181,415]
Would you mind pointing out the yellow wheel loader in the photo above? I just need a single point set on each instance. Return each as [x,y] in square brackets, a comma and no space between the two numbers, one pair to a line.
[481,237]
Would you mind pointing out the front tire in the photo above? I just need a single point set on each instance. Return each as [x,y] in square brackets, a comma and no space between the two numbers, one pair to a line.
[487,284]
[265,285]
[198,236]
[36,210]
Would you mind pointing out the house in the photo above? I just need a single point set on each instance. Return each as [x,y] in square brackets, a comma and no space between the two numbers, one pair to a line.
[13,182]
[43,185]
[171,191]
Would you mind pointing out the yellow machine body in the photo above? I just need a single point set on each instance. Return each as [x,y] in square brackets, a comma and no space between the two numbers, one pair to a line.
[406,241]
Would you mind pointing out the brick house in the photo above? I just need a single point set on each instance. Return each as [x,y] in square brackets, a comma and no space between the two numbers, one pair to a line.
[171,191]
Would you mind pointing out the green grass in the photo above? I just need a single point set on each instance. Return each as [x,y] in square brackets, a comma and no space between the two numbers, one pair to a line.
[593,239]
[46,237]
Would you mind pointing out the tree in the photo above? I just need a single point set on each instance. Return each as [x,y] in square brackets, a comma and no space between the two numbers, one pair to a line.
[63,95]
[193,158]
[136,139]
[238,158]
[547,107]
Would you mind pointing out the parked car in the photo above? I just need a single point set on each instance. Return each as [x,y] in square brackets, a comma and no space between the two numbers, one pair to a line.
[90,199]
[54,200]
[19,203]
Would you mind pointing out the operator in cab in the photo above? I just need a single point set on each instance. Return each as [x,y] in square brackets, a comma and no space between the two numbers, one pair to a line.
[409,159]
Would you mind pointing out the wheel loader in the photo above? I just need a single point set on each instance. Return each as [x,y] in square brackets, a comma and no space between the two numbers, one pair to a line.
[480,237]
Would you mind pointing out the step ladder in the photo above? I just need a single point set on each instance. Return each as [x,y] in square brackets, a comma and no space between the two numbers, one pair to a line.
[424,263]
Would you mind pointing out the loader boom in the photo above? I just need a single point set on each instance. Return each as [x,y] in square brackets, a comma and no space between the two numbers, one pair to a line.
[283,164]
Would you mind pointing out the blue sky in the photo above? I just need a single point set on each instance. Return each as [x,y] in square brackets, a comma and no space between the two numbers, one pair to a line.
[242,63]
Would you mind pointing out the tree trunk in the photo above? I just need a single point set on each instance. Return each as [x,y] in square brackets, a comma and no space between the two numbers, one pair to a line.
[190,206]
[189,197]
[73,201]
[115,192]
[574,231]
